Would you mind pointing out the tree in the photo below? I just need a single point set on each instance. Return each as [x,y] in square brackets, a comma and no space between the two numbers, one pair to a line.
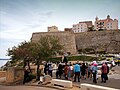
[21,52]
[47,47]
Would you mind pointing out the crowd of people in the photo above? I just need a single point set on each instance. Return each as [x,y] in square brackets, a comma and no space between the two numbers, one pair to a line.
[77,71]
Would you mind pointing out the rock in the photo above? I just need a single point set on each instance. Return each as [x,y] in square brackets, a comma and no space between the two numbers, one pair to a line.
[47,79]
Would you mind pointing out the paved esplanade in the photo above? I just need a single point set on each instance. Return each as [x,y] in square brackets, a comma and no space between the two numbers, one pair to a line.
[24,88]
[113,82]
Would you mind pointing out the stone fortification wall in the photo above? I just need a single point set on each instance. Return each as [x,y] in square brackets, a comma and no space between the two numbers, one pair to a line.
[102,40]
[67,39]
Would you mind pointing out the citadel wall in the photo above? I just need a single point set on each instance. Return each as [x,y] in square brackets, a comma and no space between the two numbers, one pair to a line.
[102,40]
[67,39]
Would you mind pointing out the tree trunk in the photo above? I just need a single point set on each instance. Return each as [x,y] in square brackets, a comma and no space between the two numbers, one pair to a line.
[24,63]
[38,71]
[29,66]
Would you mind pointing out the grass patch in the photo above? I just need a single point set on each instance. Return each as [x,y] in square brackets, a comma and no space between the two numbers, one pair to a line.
[81,58]
[73,58]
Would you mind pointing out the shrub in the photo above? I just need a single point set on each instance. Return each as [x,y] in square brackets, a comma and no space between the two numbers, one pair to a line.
[32,76]
[72,58]
[56,59]
[81,58]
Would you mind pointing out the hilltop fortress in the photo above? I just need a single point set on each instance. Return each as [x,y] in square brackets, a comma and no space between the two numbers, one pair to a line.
[102,36]
[101,40]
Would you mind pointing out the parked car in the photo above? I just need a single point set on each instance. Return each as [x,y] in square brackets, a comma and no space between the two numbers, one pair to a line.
[109,63]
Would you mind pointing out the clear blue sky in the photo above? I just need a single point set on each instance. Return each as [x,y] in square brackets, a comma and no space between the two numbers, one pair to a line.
[20,18]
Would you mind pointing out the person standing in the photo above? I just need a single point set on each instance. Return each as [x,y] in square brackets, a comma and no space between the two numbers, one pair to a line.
[83,70]
[94,72]
[26,76]
[46,68]
[60,70]
[90,71]
[50,69]
[70,72]
[66,71]
[104,73]
[77,71]
[65,60]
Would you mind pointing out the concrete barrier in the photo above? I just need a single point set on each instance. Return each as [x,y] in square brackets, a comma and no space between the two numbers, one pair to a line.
[63,83]
[85,86]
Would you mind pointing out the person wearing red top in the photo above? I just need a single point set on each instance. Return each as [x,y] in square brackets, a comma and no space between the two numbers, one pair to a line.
[104,73]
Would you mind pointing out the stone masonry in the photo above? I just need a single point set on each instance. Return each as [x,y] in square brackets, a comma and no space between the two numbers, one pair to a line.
[103,40]
[67,39]
[14,74]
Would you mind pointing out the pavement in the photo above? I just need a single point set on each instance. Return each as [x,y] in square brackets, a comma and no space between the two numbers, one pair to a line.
[113,79]
[24,88]
[113,82]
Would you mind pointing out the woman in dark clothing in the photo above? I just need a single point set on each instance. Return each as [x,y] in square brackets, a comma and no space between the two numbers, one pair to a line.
[26,76]
[60,70]
[83,70]
[46,68]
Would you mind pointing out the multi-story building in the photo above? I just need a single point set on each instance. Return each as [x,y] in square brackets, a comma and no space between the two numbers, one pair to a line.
[53,29]
[106,24]
[81,26]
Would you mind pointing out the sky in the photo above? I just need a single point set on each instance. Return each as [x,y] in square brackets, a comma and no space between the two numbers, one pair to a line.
[20,18]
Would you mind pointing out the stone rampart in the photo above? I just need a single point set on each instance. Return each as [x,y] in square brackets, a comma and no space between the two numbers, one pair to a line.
[103,40]
[67,39]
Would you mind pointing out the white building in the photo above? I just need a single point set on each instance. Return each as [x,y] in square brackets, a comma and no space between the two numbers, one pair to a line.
[81,26]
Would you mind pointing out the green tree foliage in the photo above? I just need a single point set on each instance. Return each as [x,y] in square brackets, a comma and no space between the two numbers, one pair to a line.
[47,47]
[21,52]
